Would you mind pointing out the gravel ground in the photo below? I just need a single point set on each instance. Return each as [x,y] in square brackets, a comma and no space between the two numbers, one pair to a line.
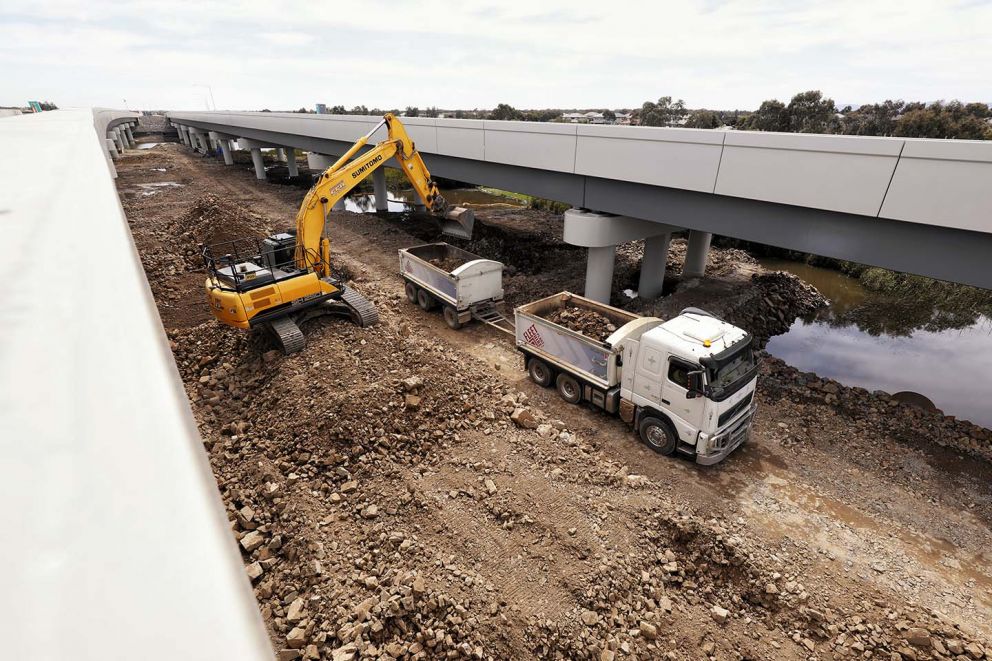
[405,492]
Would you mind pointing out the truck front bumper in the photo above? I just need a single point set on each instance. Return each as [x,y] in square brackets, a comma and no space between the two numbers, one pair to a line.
[721,445]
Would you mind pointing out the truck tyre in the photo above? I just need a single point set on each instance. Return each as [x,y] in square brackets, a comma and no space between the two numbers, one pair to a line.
[658,435]
[425,300]
[569,389]
[411,292]
[539,372]
[451,317]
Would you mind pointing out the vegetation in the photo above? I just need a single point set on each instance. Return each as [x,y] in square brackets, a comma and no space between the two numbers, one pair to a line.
[532,202]
[662,113]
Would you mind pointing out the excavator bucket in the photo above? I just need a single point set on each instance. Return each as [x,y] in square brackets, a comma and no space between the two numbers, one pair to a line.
[458,222]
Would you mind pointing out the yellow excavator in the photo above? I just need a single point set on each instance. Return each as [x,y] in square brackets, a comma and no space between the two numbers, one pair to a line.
[278,282]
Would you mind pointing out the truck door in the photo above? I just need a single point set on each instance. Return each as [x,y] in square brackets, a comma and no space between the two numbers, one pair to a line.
[647,379]
[673,390]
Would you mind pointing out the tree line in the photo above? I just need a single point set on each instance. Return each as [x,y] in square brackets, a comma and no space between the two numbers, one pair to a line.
[806,112]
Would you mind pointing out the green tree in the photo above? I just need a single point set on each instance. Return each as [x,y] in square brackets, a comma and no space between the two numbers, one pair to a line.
[662,113]
[703,119]
[609,115]
[770,116]
[939,120]
[811,112]
[459,114]
[872,119]
[505,111]
[431,112]
[412,111]
[337,110]
[359,110]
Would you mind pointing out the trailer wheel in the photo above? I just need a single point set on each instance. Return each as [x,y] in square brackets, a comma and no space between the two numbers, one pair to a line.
[425,300]
[539,372]
[411,292]
[569,389]
[658,435]
[451,317]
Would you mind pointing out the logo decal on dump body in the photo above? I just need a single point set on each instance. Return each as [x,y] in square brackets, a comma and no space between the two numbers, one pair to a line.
[533,337]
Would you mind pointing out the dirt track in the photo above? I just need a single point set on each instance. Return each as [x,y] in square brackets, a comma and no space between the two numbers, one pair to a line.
[386,501]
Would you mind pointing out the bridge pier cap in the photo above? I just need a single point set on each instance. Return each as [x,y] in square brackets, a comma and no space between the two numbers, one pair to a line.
[595,229]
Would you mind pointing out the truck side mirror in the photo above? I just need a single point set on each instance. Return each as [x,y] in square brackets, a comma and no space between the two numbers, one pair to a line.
[695,388]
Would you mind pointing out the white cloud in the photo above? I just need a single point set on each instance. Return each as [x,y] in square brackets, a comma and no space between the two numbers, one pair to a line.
[556,53]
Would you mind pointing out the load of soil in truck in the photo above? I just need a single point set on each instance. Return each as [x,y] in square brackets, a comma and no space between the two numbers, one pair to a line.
[447,263]
[588,322]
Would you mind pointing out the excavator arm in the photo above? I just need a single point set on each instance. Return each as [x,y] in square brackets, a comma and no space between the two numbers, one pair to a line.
[312,246]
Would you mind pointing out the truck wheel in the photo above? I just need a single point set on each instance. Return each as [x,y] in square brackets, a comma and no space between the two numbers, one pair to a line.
[539,372]
[658,435]
[451,317]
[411,292]
[425,300]
[569,389]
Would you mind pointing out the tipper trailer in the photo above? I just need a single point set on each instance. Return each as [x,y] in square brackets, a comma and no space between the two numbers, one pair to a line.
[685,385]
[466,286]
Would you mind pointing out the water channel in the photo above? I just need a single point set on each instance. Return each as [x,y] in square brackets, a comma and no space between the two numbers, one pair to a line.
[876,342]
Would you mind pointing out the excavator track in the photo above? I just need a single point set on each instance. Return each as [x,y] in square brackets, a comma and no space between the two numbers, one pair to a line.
[363,311]
[287,334]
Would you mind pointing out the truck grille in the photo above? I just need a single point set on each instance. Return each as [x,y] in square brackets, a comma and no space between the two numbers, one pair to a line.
[727,415]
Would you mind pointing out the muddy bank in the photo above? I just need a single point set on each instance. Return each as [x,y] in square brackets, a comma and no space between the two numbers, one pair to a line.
[908,422]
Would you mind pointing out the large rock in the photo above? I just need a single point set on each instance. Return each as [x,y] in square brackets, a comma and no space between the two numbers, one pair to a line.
[524,417]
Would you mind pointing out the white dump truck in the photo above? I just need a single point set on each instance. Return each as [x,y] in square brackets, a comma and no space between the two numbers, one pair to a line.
[685,385]
[466,286]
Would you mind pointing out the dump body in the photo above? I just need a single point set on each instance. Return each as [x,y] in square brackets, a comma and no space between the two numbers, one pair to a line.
[568,349]
[456,277]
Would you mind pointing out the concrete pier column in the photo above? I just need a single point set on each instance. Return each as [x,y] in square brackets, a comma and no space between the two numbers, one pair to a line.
[418,205]
[696,253]
[339,205]
[182,134]
[379,189]
[225,147]
[256,158]
[112,149]
[599,273]
[602,233]
[130,136]
[281,154]
[294,170]
[653,266]
[118,139]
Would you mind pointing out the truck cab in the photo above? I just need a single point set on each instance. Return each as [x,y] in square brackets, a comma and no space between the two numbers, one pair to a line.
[696,375]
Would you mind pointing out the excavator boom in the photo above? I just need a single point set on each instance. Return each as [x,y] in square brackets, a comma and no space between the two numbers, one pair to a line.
[348,171]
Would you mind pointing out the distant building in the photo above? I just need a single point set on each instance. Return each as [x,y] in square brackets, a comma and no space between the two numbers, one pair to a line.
[591,117]
[321,108]
[622,118]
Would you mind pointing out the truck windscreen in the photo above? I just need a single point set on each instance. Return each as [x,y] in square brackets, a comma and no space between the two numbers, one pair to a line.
[730,371]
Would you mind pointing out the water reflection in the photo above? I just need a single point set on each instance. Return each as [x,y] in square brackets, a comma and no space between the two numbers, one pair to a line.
[872,341]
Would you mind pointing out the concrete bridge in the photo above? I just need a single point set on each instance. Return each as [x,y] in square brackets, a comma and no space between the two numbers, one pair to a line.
[920,206]
[114,127]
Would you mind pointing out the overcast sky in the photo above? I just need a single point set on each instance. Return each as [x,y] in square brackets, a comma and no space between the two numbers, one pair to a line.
[477,53]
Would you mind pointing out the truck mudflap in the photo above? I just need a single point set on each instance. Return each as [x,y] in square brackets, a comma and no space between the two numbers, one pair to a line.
[720,446]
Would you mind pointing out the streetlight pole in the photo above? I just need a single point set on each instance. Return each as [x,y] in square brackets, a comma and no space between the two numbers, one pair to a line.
[209,89]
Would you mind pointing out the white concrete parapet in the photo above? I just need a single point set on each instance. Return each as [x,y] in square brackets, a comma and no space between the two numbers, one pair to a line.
[117,543]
